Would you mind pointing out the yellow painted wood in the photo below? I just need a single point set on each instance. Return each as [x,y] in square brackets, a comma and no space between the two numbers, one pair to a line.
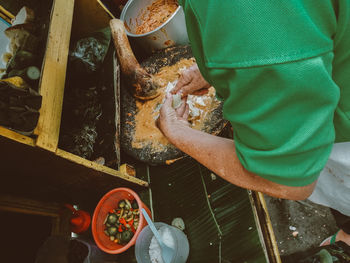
[99,167]
[127,169]
[106,10]
[6,18]
[255,205]
[28,206]
[262,201]
[54,74]
[16,136]
[6,13]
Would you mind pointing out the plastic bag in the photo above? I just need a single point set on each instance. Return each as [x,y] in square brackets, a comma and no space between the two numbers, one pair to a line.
[88,53]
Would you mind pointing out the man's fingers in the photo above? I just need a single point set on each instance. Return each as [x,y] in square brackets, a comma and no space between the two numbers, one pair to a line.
[165,110]
[168,100]
[158,122]
[186,90]
[201,92]
[180,110]
[180,84]
[167,105]
[187,112]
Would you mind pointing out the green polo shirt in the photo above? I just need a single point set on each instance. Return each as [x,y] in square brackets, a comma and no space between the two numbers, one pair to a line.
[282,69]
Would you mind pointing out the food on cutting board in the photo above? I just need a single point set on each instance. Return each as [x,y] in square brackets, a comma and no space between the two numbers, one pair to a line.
[200,108]
[177,102]
[149,82]
[155,15]
[122,222]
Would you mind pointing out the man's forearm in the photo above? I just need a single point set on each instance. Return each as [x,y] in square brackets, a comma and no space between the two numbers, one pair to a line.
[219,155]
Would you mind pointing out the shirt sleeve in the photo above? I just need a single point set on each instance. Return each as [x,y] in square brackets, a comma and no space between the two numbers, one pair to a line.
[282,116]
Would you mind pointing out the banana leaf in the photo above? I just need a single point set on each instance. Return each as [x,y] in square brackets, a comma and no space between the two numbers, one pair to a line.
[219,220]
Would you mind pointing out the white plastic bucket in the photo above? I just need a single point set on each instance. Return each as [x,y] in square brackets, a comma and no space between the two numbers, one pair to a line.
[144,240]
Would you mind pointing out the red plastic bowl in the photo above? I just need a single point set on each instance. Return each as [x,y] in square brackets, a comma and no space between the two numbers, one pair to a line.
[110,201]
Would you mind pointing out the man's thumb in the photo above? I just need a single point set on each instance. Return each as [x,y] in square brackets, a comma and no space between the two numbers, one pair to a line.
[168,99]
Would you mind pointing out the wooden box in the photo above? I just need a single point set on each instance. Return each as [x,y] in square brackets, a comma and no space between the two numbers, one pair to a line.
[36,164]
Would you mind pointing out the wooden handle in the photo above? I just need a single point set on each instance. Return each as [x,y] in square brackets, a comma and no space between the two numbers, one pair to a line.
[126,57]
[145,87]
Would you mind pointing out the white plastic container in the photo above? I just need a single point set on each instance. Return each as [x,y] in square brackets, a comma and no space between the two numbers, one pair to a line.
[144,240]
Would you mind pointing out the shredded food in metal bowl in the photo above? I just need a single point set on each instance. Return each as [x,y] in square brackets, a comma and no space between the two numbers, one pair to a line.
[155,15]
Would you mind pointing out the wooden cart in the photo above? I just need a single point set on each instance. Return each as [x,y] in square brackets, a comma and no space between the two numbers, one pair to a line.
[38,163]
[37,167]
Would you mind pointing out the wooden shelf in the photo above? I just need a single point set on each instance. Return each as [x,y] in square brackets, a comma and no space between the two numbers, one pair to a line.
[15,136]
[98,167]
[54,74]
[38,161]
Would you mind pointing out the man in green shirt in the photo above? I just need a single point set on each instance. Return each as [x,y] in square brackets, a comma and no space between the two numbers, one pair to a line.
[281,68]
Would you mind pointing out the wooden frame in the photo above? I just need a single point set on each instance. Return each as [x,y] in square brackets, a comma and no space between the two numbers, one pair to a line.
[40,164]
[267,234]
[60,217]
[54,75]
[23,154]
[6,15]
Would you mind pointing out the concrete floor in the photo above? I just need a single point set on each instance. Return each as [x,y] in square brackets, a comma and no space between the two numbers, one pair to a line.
[313,223]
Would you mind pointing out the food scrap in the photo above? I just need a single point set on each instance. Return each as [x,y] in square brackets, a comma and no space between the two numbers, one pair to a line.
[121,223]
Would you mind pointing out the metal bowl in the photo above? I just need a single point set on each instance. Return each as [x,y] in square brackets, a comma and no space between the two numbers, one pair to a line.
[172,32]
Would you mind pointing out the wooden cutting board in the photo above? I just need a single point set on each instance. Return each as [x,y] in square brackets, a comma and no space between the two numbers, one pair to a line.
[139,135]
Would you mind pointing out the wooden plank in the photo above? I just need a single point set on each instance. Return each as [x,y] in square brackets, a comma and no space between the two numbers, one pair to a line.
[40,174]
[106,9]
[16,136]
[5,18]
[116,75]
[259,226]
[54,74]
[99,167]
[60,216]
[6,13]
[28,206]
[260,208]
[61,224]
[269,227]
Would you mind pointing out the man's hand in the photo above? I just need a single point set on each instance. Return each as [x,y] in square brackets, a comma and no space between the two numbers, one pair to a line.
[170,118]
[191,82]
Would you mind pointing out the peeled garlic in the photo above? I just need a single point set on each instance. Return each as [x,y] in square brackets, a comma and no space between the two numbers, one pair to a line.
[177,102]
[194,112]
